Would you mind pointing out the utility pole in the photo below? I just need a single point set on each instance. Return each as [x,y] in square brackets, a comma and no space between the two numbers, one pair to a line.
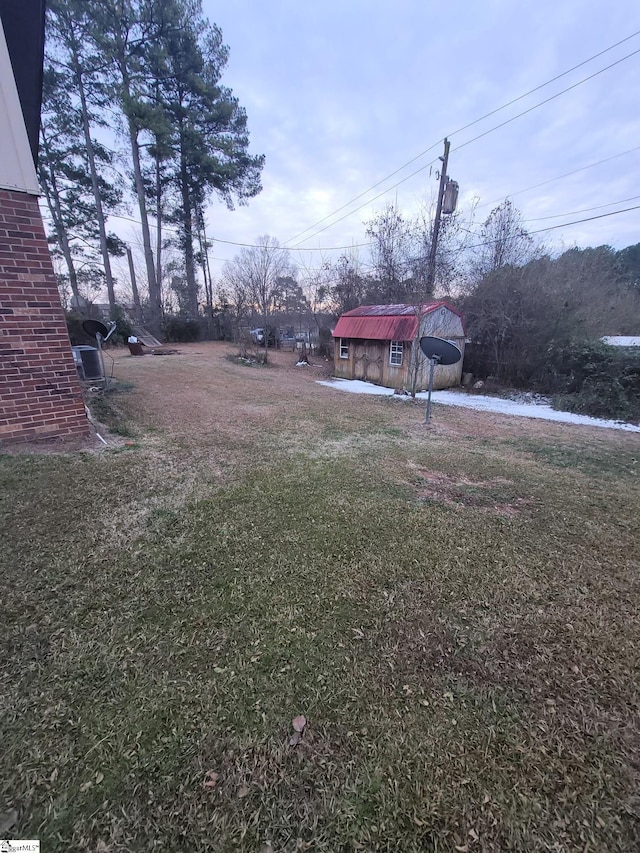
[431,275]
[431,271]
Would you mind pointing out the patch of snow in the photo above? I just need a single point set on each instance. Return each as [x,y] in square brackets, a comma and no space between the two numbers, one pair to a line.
[528,397]
[621,341]
[483,403]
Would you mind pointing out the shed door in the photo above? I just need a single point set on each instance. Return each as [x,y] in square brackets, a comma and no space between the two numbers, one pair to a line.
[367,361]
[359,360]
[373,361]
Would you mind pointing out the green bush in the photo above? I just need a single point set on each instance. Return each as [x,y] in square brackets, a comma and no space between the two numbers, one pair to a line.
[77,334]
[79,337]
[595,379]
[326,342]
[123,327]
[182,330]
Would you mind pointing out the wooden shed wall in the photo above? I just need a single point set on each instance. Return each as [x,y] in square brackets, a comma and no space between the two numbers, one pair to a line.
[369,359]
[441,323]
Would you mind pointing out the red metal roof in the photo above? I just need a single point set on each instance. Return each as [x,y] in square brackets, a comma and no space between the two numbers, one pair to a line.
[384,322]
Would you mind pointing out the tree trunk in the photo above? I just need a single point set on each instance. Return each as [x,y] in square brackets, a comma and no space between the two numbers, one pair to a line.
[206,269]
[159,227]
[187,226]
[134,288]
[52,196]
[95,185]
[155,293]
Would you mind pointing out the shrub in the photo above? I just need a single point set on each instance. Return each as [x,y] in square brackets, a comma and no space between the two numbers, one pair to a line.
[595,379]
[326,342]
[182,330]
[77,334]
[123,327]
[79,337]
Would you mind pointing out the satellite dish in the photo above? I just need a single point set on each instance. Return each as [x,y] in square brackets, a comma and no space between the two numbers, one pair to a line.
[438,351]
[94,328]
[441,351]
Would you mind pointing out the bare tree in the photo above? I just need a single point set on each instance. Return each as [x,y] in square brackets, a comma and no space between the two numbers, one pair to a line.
[349,286]
[454,239]
[233,296]
[392,250]
[503,242]
[258,270]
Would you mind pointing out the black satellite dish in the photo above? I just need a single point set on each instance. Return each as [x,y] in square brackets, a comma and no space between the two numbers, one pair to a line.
[438,351]
[444,352]
[94,328]
[97,329]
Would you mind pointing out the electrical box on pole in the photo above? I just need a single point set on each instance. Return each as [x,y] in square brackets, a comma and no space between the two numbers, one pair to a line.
[450,199]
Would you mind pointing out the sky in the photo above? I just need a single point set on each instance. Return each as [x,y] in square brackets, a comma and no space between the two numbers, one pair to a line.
[339,95]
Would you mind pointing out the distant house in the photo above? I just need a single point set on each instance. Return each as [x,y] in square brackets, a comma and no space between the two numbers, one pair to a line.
[376,343]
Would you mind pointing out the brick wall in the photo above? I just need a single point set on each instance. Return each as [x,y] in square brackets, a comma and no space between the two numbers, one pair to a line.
[40,395]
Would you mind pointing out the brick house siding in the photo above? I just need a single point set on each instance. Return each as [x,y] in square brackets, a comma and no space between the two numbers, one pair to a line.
[40,393]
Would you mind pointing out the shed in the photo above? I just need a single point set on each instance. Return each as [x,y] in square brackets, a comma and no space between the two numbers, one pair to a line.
[380,344]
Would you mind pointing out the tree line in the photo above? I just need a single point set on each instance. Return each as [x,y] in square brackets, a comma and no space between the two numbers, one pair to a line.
[518,297]
[145,75]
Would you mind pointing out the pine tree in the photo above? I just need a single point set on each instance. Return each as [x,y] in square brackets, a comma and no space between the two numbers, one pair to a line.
[209,137]
[81,83]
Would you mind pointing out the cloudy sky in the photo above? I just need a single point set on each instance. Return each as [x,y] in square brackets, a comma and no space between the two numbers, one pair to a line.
[340,95]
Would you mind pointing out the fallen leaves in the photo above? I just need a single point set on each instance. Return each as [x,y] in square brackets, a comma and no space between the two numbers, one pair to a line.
[298,724]
[211,779]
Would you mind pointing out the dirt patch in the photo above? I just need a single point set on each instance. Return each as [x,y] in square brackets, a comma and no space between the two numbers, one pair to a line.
[462,492]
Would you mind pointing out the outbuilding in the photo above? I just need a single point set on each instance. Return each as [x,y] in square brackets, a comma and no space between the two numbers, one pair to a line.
[381,344]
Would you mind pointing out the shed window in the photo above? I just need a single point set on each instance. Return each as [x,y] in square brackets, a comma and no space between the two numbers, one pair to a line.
[395,353]
[344,347]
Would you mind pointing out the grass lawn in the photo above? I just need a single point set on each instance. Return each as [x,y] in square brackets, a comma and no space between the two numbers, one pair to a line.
[453,609]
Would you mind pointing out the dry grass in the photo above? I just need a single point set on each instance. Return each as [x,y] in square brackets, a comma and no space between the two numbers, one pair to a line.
[454,610]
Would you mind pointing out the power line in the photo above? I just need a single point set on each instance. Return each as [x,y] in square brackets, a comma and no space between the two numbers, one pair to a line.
[584,210]
[493,242]
[286,248]
[45,213]
[547,100]
[471,124]
[588,219]
[559,177]
[562,225]
[477,245]
[547,83]
[365,192]
[422,168]
[469,141]
[554,227]
[244,245]
[364,204]
[484,204]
